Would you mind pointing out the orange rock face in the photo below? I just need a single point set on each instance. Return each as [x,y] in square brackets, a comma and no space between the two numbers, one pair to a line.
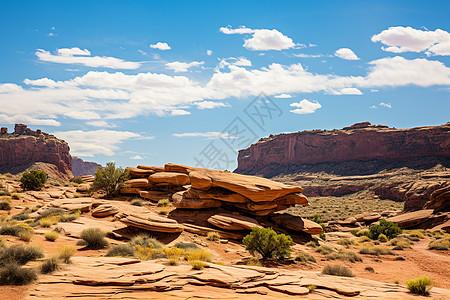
[26,146]
[360,142]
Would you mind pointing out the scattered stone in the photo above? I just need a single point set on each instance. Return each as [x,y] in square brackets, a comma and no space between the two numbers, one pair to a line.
[297,223]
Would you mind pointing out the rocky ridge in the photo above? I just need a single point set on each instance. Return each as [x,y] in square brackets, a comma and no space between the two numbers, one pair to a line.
[81,167]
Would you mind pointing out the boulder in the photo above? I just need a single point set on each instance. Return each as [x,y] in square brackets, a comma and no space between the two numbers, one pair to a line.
[104,210]
[151,168]
[233,222]
[138,183]
[152,222]
[200,181]
[218,194]
[82,204]
[367,217]
[171,178]
[180,201]
[411,219]
[139,173]
[292,199]
[297,223]
[130,190]
[154,195]
[83,188]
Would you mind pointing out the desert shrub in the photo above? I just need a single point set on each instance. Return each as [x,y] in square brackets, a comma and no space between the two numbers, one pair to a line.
[197,264]
[19,254]
[376,251]
[65,253]
[163,211]
[311,287]
[396,281]
[213,236]
[174,254]
[389,229]
[440,244]
[149,252]
[144,240]
[360,232]
[416,233]
[10,229]
[344,255]
[400,242]
[399,258]
[337,270]
[49,266]
[5,205]
[383,238]
[187,246]
[268,243]
[345,242]
[163,202]
[110,179]
[198,254]
[369,269]
[20,217]
[123,250]
[77,179]
[51,236]
[13,274]
[49,221]
[420,286]
[312,244]
[253,262]
[50,212]
[324,250]
[137,202]
[94,238]
[33,180]
[5,193]
[25,235]
[15,196]
[304,257]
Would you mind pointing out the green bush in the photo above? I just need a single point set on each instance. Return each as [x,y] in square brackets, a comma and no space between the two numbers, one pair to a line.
[124,250]
[33,180]
[337,270]
[13,274]
[19,254]
[268,243]
[110,179]
[163,202]
[94,238]
[420,286]
[77,179]
[389,229]
[383,238]
[49,266]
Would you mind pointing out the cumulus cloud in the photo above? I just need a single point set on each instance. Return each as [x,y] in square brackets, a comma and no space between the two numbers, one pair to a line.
[77,56]
[90,143]
[262,39]
[305,107]
[283,96]
[407,39]
[210,104]
[233,61]
[347,91]
[346,53]
[387,105]
[161,46]
[207,135]
[179,112]
[136,157]
[5,119]
[9,88]
[209,52]
[177,66]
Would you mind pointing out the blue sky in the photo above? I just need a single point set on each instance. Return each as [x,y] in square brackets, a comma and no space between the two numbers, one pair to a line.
[151,82]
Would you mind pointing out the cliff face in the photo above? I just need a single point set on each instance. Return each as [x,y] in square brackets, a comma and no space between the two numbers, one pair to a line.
[81,167]
[25,146]
[359,142]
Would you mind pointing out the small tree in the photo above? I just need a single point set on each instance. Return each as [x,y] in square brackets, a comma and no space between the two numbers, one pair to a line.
[110,179]
[268,243]
[389,229]
[33,180]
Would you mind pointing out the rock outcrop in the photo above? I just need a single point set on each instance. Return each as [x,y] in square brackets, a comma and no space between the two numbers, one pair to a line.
[24,147]
[81,167]
[370,148]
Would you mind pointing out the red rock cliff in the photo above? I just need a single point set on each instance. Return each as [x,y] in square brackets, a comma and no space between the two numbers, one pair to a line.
[360,142]
[81,167]
[25,146]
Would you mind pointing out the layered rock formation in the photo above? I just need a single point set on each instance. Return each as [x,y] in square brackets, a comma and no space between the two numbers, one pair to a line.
[359,149]
[81,167]
[24,147]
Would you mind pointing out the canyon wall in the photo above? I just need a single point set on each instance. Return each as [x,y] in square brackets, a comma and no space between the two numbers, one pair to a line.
[362,144]
[81,167]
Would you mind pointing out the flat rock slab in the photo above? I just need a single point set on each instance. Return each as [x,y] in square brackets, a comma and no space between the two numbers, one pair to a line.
[233,222]
[170,178]
[152,222]
[83,204]
[205,230]
[411,219]
[289,289]
[297,223]
[75,228]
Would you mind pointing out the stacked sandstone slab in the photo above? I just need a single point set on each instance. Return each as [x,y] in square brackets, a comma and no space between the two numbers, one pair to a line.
[198,188]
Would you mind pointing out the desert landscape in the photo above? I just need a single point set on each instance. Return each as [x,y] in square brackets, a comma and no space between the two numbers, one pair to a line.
[178,232]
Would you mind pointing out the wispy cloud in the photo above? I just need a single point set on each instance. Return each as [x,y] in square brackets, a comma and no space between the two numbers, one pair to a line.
[210,104]
[177,66]
[207,135]
[14,119]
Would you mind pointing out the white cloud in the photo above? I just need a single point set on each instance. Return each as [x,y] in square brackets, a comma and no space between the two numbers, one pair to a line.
[283,96]
[347,91]
[346,53]
[262,39]
[177,66]
[387,105]
[90,143]
[242,61]
[179,112]
[82,57]
[407,39]
[82,115]
[305,107]
[302,55]
[209,52]
[233,61]
[101,124]
[210,104]
[137,157]
[9,88]
[161,46]
[5,119]
[373,107]
[207,135]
